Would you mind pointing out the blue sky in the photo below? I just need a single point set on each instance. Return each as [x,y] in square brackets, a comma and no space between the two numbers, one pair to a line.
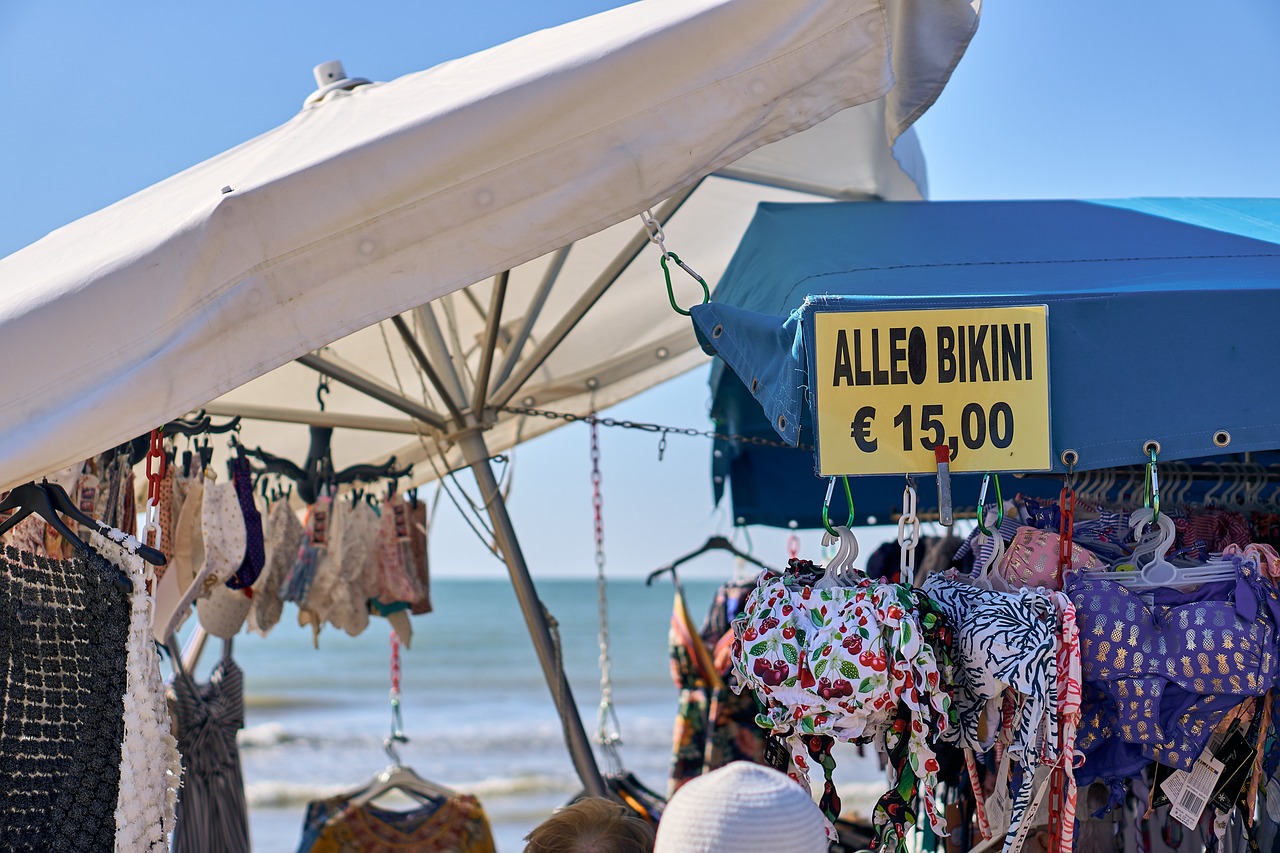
[1052,100]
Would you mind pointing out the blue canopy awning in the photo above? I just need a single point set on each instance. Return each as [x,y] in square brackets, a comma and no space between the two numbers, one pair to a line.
[1162,318]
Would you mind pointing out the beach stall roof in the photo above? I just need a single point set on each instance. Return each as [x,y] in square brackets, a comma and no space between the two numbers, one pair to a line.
[433,245]
[1158,320]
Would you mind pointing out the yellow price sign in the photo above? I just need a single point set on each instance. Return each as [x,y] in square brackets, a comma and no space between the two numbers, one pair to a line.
[892,385]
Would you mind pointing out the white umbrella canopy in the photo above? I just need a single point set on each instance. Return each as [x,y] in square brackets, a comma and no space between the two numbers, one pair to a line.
[378,199]
[630,340]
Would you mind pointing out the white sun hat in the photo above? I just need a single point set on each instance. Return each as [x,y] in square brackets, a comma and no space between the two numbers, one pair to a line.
[743,807]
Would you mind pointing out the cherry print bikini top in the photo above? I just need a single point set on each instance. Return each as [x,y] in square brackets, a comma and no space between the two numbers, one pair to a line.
[848,662]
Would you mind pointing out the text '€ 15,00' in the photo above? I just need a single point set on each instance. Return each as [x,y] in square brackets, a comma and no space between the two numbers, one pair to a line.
[892,385]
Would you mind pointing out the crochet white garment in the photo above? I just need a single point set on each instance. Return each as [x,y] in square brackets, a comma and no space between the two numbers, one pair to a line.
[150,767]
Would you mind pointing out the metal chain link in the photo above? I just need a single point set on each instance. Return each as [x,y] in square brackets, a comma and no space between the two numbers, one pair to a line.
[908,541]
[593,419]
[608,727]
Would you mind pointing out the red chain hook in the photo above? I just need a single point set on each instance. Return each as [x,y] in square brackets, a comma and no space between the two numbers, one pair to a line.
[156,451]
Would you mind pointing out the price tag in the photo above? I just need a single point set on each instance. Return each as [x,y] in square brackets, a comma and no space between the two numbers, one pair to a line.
[1190,792]
[891,385]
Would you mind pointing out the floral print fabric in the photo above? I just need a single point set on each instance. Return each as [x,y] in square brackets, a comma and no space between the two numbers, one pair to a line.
[456,825]
[714,725]
[853,663]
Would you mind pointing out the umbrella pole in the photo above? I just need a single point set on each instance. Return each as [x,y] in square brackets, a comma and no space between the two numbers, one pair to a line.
[476,453]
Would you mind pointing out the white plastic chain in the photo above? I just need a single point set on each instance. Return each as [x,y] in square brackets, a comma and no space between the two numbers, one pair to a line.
[654,229]
[908,540]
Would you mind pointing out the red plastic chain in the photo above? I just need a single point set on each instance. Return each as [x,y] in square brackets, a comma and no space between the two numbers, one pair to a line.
[1067,506]
[155,451]
[395,665]
[1057,785]
[979,795]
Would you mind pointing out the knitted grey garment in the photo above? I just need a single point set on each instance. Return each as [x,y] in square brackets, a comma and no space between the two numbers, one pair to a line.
[63,627]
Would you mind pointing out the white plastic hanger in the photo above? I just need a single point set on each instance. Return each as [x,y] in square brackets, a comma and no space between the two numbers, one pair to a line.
[1230,499]
[1138,572]
[1210,497]
[1106,479]
[840,570]
[1182,483]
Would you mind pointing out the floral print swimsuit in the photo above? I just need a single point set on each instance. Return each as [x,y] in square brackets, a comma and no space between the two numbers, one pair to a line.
[854,663]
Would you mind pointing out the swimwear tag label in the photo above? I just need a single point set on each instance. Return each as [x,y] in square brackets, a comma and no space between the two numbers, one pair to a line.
[1190,792]
[1236,755]
[999,804]
[776,754]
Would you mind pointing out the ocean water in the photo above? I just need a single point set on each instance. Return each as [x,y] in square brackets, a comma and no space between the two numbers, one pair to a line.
[478,715]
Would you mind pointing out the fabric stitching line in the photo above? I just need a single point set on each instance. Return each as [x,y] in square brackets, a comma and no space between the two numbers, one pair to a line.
[1033,262]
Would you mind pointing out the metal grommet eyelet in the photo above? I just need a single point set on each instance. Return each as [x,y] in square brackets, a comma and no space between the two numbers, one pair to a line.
[755,385]
[1149,446]
[1221,438]
[717,331]
[782,422]
[1070,458]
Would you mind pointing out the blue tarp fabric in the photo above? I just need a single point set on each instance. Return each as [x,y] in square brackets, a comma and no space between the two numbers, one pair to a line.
[1162,315]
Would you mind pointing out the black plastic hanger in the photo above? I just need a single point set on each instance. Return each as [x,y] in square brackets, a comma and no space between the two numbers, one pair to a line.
[48,500]
[40,498]
[318,471]
[715,543]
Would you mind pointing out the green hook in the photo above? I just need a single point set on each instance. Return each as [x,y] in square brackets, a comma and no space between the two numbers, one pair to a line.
[1152,496]
[826,505]
[982,504]
[671,295]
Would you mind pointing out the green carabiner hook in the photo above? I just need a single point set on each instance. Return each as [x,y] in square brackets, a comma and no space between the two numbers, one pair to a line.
[826,505]
[671,294]
[1152,490]
[982,504]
